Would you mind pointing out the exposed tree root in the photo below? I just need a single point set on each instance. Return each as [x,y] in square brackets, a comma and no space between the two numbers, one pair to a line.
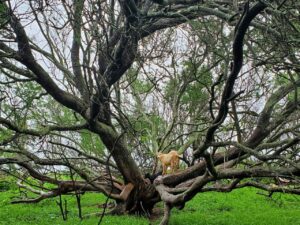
[167,212]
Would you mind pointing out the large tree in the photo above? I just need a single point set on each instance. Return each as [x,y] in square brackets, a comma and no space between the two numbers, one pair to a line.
[96,88]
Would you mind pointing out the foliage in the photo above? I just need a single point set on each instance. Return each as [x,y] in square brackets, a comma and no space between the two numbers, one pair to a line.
[91,142]
[3,16]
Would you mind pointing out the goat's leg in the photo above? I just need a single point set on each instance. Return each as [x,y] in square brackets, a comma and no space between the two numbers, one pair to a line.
[164,169]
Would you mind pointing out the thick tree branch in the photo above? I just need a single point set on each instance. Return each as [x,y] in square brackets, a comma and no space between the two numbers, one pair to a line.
[200,182]
[43,78]
[46,130]
[75,50]
[237,47]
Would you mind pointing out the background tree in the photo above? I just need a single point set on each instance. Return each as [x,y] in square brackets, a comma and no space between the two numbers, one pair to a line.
[95,89]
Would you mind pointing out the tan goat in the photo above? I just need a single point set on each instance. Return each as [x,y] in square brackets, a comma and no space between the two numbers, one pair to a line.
[170,159]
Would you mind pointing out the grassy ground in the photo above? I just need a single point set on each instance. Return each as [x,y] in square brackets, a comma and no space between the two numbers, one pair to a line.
[240,207]
[47,212]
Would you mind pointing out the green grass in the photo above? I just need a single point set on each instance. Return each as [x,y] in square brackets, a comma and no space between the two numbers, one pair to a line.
[244,207]
[47,212]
